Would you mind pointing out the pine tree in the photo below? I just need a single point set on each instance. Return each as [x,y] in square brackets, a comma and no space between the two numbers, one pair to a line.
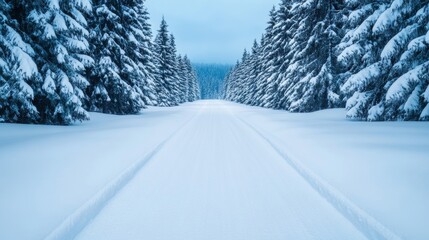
[266,86]
[145,47]
[392,83]
[59,37]
[18,72]
[116,78]
[165,63]
[308,83]
[183,78]
[211,79]
[175,94]
[193,92]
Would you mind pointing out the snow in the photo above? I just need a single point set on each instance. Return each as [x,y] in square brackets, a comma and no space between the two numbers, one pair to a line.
[413,102]
[405,81]
[26,65]
[49,84]
[364,29]
[356,103]
[396,43]
[49,32]
[79,16]
[53,4]
[85,4]
[375,112]
[380,166]
[65,85]
[392,15]
[427,37]
[364,77]
[59,22]
[215,170]
[26,89]
[350,51]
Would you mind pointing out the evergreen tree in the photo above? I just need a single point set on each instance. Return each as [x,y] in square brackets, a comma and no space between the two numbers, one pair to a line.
[175,94]
[18,72]
[145,47]
[193,92]
[183,78]
[392,82]
[116,77]
[316,54]
[59,37]
[266,90]
[308,84]
[165,63]
[211,79]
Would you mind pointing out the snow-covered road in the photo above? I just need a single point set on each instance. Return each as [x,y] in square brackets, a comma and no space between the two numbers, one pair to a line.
[202,171]
[216,179]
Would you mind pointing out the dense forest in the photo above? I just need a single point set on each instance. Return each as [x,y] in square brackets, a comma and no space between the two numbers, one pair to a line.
[371,57]
[211,79]
[60,59]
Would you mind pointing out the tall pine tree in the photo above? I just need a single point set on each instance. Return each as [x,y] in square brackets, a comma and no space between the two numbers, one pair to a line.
[165,63]
[59,37]
[116,79]
[18,72]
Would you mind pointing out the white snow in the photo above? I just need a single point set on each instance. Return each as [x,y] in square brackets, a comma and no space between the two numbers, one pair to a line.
[360,80]
[375,112]
[215,170]
[413,102]
[59,22]
[406,80]
[393,14]
[427,37]
[395,44]
[350,51]
[26,65]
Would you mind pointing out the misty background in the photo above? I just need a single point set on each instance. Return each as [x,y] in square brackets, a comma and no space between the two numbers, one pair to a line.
[212,31]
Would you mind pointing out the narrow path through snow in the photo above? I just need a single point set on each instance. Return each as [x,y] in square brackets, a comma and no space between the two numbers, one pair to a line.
[218,179]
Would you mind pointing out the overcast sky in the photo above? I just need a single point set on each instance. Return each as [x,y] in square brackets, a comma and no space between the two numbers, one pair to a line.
[212,31]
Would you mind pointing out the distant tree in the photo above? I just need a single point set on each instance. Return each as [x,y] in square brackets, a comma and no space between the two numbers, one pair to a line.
[211,79]
[194,91]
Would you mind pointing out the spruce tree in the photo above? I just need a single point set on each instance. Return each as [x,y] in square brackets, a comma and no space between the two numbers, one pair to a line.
[193,92]
[165,64]
[59,37]
[18,72]
[145,48]
[392,82]
[183,78]
[116,78]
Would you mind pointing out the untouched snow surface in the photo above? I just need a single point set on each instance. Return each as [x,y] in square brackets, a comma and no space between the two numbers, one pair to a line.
[215,170]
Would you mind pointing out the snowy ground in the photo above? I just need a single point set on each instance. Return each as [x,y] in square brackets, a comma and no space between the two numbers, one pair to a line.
[215,170]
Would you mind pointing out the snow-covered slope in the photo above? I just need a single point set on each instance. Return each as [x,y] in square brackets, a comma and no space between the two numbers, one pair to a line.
[215,170]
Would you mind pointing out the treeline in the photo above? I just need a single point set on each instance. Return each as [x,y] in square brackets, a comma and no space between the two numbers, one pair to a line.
[370,56]
[211,78]
[60,59]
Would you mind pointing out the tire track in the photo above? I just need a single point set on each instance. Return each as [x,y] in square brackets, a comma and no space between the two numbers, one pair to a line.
[78,220]
[362,221]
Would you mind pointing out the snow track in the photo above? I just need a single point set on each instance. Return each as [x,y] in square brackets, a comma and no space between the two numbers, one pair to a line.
[218,179]
[229,172]
[76,222]
[369,226]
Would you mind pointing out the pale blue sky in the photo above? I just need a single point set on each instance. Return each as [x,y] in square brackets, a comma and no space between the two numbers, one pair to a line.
[212,31]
